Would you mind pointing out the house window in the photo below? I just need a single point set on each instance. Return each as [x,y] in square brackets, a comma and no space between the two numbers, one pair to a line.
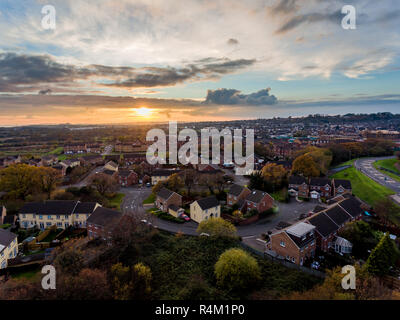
[49,217]
[24,216]
[58,217]
[283,244]
[293,260]
[40,217]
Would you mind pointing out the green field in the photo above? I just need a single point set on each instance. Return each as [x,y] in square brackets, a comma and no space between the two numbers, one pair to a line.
[388,164]
[364,187]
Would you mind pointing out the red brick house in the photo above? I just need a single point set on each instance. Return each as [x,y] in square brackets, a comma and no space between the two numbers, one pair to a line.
[298,187]
[127,178]
[341,186]
[134,158]
[75,148]
[236,193]
[101,222]
[295,243]
[166,197]
[320,188]
[259,200]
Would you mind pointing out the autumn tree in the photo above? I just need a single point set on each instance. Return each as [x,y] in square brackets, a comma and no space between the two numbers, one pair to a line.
[158,186]
[49,179]
[236,270]
[275,175]
[69,261]
[20,180]
[217,227]
[175,182]
[306,166]
[131,283]
[386,210]
[104,183]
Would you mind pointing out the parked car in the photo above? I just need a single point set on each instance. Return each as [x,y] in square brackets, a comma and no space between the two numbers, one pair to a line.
[315,265]
[185,217]
[148,184]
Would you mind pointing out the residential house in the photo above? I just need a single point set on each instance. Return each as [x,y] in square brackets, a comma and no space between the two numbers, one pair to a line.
[205,208]
[127,178]
[110,173]
[112,157]
[165,198]
[353,207]
[7,219]
[111,165]
[295,243]
[298,187]
[102,222]
[325,229]
[48,160]
[91,160]
[320,188]
[236,193]
[75,148]
[68,165]
[175,211]
[161,175]
[8,247]
[93,148]
[62,213]
[134,158]
[341,186]
[258,200]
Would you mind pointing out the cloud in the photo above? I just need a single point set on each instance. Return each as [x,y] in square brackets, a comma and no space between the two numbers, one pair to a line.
[233,41]
[45,91]
[21,73]
[296,21]
[234,97]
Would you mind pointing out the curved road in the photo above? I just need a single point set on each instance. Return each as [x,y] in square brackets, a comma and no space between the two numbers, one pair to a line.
[365,165]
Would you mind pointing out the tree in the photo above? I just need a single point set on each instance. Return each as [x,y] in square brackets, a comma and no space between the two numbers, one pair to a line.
[190,179]
[362,236]
[382,257]
[306,166]
[208,180]
[89,284]
[236,270]
[274,174]
[70,261]
[256,181]
[131,283]
[321,157]
[104,183]
[217,227]
[386,210]
[158,186]
[175,182]
[20,180]
[49,179]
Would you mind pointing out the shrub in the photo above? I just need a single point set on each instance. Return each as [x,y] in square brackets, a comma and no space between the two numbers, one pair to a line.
[217,227]
[236,270]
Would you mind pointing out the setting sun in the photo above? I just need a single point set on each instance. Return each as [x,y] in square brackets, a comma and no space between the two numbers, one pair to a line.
[143,112]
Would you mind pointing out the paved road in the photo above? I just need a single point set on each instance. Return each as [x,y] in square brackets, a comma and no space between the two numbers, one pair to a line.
[134,197]
[366,167]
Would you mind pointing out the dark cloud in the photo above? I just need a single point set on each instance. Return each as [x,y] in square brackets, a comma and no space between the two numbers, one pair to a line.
[25,73]
[285,6]
[294,22]
[208,68]
[233,41]
[45,91]
[234,97]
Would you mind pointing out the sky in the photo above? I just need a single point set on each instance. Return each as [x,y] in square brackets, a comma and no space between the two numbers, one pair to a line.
[129,61]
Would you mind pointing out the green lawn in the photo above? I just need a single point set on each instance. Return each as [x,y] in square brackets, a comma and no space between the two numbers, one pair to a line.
[388,164]
[150,199]
[58,150]
[116,201]
[364,187]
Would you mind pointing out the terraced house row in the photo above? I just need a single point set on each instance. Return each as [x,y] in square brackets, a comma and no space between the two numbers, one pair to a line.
[8,247]
[62,213]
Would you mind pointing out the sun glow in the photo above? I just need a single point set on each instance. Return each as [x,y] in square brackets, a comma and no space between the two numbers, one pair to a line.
[143,112]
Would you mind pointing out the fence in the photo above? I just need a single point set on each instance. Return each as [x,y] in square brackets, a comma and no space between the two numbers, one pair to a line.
[284,262]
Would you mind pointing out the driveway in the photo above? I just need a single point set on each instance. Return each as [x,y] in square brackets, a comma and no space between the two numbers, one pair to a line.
[366,167]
